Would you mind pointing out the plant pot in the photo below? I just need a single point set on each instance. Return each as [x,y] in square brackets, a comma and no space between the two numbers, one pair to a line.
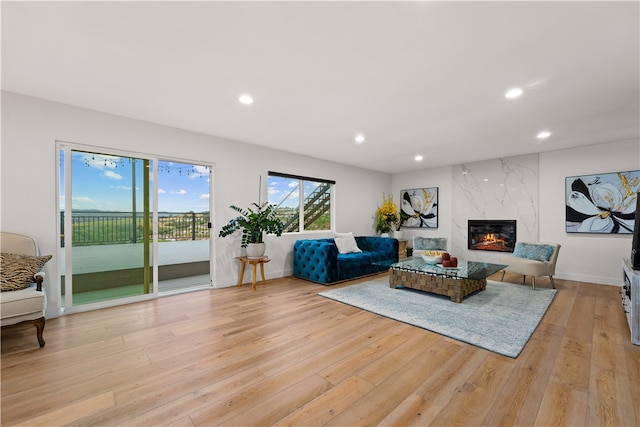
[255,250]
[384,234]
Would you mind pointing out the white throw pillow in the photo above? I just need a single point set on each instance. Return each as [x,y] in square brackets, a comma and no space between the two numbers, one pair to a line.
[346,243]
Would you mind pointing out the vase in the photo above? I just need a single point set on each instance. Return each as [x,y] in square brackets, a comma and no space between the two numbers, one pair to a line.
[397,235]
[255,250]
[384,234]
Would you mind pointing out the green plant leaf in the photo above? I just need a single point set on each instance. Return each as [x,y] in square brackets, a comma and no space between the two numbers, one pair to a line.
[254,222]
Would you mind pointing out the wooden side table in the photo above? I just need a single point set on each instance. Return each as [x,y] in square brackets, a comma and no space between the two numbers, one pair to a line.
[402,248]
[254,263]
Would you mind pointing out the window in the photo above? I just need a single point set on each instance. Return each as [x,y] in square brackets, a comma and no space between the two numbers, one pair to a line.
[290,192]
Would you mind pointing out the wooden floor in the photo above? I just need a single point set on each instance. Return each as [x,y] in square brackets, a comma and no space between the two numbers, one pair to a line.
[285,356]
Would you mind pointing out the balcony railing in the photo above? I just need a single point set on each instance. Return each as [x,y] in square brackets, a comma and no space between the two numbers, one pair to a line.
[107,228]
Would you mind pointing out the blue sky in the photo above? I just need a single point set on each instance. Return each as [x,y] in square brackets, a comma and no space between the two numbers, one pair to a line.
[105,183]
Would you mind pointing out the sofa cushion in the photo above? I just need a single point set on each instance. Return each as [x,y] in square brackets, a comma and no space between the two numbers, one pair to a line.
[534,251]
[354,265]
[346,243]
[380,248]
[21,303]
[17,271]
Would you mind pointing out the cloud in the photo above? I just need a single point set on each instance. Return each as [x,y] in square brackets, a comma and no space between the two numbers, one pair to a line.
[199,171]
[84,199]
[181,192]
[161,191]
[121,187]
[112,175]
[204,197]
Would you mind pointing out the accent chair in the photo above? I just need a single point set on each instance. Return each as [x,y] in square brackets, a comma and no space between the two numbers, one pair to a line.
[532,259]
[23,298]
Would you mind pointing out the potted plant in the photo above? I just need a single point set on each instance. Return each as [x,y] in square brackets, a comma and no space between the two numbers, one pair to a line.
[402,217]
[254,221]
[386,215]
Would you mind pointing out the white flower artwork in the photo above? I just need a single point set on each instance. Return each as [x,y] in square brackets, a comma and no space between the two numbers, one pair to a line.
[419,208]
[602,203]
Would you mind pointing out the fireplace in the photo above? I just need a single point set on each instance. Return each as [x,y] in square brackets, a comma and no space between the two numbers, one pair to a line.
[491,235]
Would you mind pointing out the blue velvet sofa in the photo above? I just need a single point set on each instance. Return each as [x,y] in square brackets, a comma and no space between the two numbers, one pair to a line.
[318,260]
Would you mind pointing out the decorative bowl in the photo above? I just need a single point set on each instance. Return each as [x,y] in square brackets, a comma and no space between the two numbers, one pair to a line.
[431,258]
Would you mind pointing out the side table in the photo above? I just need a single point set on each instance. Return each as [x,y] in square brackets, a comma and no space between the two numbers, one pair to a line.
[402,248]
[254,263]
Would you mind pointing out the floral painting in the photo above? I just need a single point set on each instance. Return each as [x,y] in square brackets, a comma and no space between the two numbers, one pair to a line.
[419,208]
[603,203]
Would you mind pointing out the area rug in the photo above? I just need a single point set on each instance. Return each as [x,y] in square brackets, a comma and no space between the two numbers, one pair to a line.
[501,318]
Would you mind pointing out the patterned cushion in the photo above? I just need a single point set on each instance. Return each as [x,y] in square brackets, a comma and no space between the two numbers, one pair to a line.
[535,251]
[17,271]
[429,243]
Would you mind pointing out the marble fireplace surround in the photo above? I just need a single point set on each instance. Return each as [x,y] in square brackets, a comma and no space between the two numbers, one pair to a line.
[504,188]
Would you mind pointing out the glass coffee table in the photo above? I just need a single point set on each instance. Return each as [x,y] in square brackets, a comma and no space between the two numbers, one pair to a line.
[454,282]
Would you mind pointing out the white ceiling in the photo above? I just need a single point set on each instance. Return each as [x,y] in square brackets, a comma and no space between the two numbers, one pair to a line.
[414,77]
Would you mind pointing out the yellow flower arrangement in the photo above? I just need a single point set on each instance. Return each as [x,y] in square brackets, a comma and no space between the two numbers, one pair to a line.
[386,215]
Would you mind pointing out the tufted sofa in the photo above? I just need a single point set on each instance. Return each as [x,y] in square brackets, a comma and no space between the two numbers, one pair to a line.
[318,260]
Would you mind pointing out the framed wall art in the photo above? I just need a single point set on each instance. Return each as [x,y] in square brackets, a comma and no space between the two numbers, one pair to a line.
[419,208]
[602,203]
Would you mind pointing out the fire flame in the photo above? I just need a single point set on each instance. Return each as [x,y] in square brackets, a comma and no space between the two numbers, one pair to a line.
[492,238]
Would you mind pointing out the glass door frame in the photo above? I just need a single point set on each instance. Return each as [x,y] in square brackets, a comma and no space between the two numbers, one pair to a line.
[66,300]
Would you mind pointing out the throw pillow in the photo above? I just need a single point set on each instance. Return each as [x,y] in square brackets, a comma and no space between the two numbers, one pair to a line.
[534,251]
[346,243]
[429,243]
[16,271]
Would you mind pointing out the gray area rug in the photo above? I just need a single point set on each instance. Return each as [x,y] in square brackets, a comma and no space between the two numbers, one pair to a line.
[501,318]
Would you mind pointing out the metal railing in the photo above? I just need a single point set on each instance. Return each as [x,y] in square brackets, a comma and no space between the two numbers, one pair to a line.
[315,205]
[108,228]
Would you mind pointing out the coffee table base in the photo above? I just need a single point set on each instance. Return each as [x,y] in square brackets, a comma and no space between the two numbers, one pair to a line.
[454,288]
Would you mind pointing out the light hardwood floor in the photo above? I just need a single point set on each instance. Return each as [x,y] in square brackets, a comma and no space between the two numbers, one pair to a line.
[285,356]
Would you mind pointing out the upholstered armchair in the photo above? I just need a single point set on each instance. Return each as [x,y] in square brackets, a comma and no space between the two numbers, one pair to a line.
[532,259]
[23,297]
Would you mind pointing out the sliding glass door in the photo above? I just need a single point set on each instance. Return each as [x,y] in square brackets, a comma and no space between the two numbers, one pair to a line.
[106,227]
[115,242]
[184,225]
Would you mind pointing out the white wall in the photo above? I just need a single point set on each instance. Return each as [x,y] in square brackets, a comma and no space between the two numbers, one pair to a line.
[30,128]
[437,177]
[592,258]
[587,257]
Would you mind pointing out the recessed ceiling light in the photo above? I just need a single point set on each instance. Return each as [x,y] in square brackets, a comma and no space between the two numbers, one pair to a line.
[513,93]
[245,99]
[418,158]
[544,134]
[359,138]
